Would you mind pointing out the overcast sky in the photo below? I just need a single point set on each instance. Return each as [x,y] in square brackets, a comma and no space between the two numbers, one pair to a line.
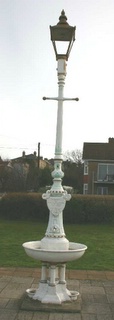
[28,72]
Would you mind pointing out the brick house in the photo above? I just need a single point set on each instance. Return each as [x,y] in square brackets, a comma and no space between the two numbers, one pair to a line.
[98,168]
[26,159]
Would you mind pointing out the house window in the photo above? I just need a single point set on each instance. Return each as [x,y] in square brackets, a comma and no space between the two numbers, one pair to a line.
[106,172]
[85,167]
[102,190]
[111,172]
[85,188]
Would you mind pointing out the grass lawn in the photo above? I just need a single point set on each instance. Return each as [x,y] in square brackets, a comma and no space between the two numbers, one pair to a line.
[98,238]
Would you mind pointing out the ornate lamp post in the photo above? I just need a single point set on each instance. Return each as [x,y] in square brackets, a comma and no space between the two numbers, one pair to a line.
[54,250]
[62,36]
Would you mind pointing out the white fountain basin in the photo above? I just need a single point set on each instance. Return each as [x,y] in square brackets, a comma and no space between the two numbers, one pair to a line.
[33,250]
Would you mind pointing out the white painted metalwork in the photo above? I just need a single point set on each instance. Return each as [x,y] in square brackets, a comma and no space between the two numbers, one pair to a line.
[54,250]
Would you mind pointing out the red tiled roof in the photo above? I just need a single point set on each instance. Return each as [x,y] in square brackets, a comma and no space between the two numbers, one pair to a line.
[99,151]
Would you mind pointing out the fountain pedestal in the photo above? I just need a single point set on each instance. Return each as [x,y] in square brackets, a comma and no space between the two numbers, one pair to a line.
[52,287]
[54,250]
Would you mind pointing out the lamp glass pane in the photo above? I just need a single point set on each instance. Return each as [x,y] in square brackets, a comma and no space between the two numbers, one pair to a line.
[62,46]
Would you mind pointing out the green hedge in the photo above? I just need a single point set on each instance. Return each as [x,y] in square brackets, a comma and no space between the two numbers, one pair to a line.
[22,206]
[80,209]
[90,209]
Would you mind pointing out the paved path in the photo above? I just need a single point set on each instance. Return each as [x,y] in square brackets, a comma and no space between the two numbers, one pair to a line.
[96,292]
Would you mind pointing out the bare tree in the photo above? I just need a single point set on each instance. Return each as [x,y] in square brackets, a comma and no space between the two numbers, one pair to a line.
[73,169]
[74,156]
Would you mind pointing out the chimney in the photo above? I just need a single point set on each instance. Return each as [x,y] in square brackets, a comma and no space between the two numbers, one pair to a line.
[23,154]
[38,154]
[111,140]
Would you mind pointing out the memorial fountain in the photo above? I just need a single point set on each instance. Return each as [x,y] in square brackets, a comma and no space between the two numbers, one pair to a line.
[55,250]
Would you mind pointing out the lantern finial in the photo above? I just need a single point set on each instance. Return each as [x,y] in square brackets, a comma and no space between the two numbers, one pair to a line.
[62,18]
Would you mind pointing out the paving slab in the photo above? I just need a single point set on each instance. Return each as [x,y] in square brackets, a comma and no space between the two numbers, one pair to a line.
[104,317]
[96,308]
[89,317]
[8,315]
[25,316]
[65,316]
[95,302]
[91,289]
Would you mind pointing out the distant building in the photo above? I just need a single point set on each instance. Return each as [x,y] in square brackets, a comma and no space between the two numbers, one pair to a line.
[98,168]
[15,172]
[26,160]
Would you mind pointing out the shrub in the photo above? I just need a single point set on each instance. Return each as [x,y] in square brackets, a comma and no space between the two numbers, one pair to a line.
[22,206]
[80,209]
[90,209]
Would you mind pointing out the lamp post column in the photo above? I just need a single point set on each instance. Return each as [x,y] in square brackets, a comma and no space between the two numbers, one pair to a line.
[58,174]
[56,197]
[61,82]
